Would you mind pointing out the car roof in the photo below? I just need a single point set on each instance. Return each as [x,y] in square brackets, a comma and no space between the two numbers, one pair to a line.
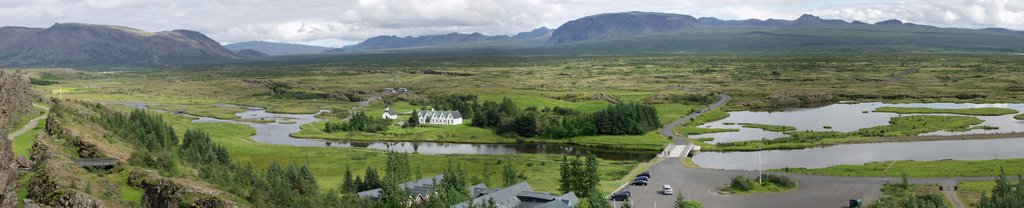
[666,186]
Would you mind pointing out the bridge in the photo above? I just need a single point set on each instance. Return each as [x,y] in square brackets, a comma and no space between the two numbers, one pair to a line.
[96,162]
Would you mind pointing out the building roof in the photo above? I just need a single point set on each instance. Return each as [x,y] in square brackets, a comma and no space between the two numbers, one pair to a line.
[519,195]
[421,186]
[432,113]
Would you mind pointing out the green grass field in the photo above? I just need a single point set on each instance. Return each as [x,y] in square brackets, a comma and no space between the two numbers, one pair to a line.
[964,111]
[1019,117]
[970,192]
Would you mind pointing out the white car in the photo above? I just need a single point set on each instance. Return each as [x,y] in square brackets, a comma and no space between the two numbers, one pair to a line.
[666,189]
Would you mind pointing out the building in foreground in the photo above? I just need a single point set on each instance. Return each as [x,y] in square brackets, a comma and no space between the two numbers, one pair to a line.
[516,196]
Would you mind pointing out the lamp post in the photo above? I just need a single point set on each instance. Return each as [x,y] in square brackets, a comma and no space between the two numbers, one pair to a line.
[760,171]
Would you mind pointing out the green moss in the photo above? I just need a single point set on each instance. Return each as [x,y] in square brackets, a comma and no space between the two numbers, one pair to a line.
[963,111]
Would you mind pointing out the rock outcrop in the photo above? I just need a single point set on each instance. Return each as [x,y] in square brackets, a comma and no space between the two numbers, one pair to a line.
[16,96]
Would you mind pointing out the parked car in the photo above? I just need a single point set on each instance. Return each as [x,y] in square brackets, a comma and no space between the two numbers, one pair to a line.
[642,178]
[667,189]
[620,196]
[646,174]
[639,182]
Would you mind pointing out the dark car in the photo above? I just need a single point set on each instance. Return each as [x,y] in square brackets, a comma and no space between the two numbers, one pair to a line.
[645,174]
[642,178]
[620,196]
[639,182]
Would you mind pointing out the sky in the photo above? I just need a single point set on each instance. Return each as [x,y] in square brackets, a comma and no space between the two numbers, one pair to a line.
[335,23]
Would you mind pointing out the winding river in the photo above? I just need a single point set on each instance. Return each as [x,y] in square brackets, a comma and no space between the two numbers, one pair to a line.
[275,128]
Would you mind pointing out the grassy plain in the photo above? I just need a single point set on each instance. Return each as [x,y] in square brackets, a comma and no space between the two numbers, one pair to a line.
[970,192]
[959,111]
[754,82]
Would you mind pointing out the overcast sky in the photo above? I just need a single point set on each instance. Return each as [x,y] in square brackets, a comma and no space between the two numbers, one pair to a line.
[340,22]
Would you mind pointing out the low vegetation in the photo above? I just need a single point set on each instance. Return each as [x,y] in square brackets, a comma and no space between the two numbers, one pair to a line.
[1019,117]
[767,127]
[918,169]
[905,194]
[767,183]
[959,111]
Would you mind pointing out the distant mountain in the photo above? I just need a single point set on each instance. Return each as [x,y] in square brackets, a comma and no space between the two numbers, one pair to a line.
[276,49]
[539,33]
[618,25]
[76,44]
[250,53]
[648,32]
[450,40]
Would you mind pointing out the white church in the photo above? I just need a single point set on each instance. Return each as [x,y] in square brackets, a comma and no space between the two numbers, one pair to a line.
[389,114]
[440,117]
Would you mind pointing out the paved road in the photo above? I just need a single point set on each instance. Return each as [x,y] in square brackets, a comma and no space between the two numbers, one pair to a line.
[31,124]
[703,184]
[813,191]
[667,129]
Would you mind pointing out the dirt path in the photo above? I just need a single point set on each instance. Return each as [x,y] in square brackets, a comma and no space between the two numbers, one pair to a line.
[953,199]
[31,124]
[362,105]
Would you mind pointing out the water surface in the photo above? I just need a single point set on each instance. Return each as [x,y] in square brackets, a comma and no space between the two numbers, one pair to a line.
[855,154]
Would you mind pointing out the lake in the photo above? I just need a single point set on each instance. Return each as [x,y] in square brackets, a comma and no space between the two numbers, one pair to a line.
[845,118]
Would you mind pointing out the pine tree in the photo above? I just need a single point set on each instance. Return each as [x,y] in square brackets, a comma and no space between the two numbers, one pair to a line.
[414,120]
[510,176]
[346,185]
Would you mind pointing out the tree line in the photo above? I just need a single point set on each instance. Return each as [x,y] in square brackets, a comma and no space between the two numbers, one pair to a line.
[621,119]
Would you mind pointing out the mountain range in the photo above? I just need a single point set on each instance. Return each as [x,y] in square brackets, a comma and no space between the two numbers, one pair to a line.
[610,33]
[451,39]
[74,44]
[276,49]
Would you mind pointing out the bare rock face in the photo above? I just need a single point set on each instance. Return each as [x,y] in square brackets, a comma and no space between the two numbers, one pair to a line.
[16,96]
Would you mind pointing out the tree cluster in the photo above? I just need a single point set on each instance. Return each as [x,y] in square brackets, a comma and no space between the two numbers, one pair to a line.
[359,122]
[1005,193]
[622,119]
[579,175]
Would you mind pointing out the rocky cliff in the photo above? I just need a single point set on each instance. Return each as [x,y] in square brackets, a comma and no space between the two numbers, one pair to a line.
[15,100]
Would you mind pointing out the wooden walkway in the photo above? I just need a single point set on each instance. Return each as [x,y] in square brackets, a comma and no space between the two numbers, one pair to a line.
[96,162]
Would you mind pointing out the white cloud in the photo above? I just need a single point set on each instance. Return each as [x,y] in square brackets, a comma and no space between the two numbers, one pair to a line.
[332,22]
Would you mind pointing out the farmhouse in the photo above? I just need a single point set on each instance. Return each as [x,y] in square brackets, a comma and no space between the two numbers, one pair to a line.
[440,117]
[389,114]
